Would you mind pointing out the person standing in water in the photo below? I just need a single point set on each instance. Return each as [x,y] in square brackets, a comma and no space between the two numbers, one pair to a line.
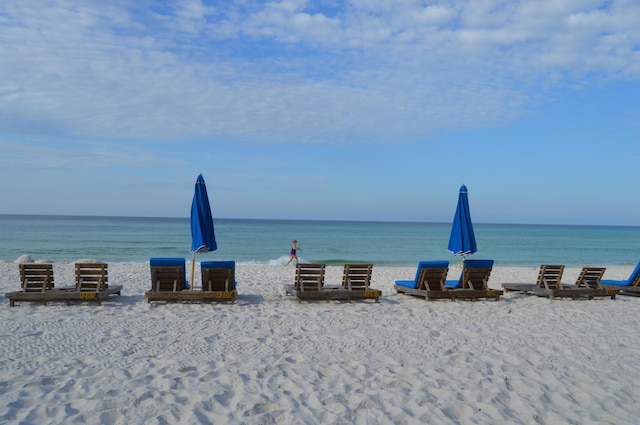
[294,252]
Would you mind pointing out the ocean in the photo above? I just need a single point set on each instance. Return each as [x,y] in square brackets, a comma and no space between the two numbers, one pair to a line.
[136,239]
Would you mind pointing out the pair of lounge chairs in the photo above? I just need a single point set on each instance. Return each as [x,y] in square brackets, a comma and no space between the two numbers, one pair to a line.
[356,280]
[169,282]
[430,281]
[37,284]
[548,284]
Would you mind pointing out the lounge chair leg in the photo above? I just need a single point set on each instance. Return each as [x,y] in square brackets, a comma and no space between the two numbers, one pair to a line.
[12,303]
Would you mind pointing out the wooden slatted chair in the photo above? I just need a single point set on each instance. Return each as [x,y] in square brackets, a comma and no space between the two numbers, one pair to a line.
[91,277]
[590,277]
[550,277]
[309,277]
[36,277]
[357,277]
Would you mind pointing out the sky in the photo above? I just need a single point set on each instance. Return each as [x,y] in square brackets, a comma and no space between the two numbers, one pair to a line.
[375,110]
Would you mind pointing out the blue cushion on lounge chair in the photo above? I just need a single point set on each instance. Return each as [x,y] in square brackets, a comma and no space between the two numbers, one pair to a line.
[471,264]
[171,262]
[219,265]
[627,282]
[421,265]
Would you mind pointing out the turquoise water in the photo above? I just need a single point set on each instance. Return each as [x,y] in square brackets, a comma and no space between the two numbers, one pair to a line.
[126,239]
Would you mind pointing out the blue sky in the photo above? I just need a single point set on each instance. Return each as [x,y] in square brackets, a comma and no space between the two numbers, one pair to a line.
[347,110]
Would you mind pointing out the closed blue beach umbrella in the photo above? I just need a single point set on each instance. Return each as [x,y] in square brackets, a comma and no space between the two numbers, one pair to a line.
[462,240]
[203,237]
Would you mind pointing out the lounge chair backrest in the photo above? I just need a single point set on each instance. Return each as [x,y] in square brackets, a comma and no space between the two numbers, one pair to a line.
[36,277]
[167,274]
[550,277]
[310,277]
[430,265]
[91,277]
[218,275]
[433,278]
[634,278]
[475,274]
[590,277]
[357,276]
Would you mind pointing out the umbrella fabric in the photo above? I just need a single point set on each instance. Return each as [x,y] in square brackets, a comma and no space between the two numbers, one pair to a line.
[203,237]
[462,240]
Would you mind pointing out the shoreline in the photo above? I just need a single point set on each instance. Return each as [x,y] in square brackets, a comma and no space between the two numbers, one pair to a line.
[267,359]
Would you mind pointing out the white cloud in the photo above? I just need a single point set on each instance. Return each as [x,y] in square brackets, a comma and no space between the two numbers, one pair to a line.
[298,71]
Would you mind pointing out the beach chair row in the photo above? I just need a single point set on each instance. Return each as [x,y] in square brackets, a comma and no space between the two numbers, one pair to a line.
[37,284]
[169,283]
[218,282]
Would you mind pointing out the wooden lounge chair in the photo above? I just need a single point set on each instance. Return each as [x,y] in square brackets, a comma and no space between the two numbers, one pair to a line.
[473,281]
[356,280]
[168,279]
[428,283]
[35,280]
[309,282]
[549,278]
[631,286]
[590,278]
[36,277]
[92,282]
[218,280]
[91,277]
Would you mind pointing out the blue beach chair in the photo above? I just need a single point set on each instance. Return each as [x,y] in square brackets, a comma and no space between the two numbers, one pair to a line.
[472,283]
[632,284]
[168,274]
[475,280]
[429,281]
[218,275]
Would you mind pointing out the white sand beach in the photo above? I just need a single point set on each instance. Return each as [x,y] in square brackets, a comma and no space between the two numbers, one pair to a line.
[268,360]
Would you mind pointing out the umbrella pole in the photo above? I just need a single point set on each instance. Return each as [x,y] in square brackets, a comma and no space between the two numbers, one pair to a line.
[193,269]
